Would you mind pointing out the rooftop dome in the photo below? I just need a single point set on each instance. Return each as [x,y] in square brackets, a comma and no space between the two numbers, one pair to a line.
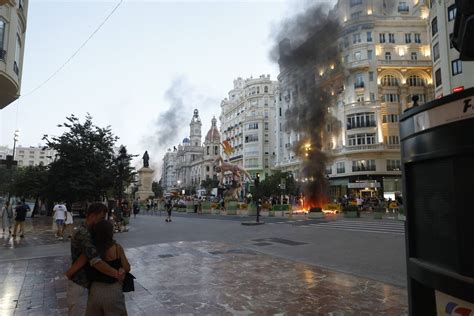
[213,134]
[186,140]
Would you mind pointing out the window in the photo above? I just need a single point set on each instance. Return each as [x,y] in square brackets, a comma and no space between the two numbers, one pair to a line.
[438,78]
[360,98]
[372,96]
[361,139]
[346,41]
[393,140]
[415,81]
[382,37]
[346,59]
[265,89]
[436,51]
[340,167]
[253,126]
[421,98]
[369,37]
[329,170]
[355,15]
[207,168]
[414,56]
[207,150]
[216,150]
[355,2]
[434,26]
[393,165]
[391,37]
[418,38]
[389,80]
[356,38]
[370,54]
[391,97]
[361,120]
[456,66]
[357,56]
[408,38]
[388,56]
[390,118]
[266,126]
[452,12]
[251,138]
[371,76]
[363,165]
[359,81]
[2,38]
[16,64]
[403,7]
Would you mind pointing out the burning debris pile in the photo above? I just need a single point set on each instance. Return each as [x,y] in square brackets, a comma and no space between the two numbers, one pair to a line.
[310,78]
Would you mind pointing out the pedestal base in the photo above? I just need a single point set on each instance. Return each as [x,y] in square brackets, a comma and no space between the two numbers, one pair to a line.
[144,195]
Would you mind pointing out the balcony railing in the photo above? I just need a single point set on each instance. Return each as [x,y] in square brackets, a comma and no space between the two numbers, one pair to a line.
[363,63]
[3,54]
[369,125]
[359,85]
[406,62]
[362,148]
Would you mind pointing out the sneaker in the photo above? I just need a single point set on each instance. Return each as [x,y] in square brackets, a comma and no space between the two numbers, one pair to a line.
[22,236]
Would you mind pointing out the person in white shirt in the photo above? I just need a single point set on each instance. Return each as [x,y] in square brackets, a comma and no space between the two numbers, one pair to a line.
[59,215]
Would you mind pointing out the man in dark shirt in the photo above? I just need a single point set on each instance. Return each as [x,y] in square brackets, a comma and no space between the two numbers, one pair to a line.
[81,243]
[20,217]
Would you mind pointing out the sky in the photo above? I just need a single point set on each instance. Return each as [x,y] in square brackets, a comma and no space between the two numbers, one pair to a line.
[147,55]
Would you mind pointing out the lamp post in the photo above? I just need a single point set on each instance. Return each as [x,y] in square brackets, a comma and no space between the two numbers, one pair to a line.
[16,137]
[122,161]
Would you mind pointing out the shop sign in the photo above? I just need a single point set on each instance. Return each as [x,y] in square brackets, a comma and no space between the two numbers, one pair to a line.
[451,112]
[447,305]
[363,185]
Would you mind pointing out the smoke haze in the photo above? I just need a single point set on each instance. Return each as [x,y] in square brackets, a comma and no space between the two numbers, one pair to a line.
[310,78]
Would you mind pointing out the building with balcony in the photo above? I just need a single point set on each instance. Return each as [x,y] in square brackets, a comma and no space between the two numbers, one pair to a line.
[387,60]
[449,72]
[168,173]
[30,156]
[12,43]
[248,123]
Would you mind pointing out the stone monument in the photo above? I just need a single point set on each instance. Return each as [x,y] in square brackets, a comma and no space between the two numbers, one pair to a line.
[145,175]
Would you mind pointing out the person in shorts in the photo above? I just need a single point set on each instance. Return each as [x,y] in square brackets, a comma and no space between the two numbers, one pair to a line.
[20,217]
[169,207]
[60,215]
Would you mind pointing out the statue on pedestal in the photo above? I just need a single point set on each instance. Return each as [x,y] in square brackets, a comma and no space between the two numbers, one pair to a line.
[146,160]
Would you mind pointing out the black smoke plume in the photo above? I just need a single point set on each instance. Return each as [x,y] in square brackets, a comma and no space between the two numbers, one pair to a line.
[311,77]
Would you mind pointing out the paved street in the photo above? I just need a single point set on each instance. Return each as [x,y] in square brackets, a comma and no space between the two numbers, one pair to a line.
[214,265]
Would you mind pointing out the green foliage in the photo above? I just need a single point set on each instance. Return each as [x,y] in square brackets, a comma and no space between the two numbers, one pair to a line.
[157,189]
[30,182]
[85,167]
[271,185]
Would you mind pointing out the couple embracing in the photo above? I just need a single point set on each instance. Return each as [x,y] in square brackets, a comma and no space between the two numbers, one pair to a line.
[99,265]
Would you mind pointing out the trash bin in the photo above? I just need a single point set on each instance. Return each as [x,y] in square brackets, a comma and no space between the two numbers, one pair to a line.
[437,146]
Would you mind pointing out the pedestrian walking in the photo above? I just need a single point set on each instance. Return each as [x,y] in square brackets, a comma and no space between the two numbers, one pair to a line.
[136,208]
[69,224]
[59,216]
[7,217]
[82,244]
[20,217]
[169,207]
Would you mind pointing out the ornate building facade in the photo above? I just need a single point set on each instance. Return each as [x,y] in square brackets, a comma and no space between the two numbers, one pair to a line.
[192,161]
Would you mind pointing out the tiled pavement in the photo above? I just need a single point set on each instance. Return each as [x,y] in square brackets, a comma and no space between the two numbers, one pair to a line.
[197,278]
[38,231]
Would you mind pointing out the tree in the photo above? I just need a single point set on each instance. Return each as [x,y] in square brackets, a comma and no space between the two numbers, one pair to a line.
[272,185]
[84,166]
[157,189]
[30,182]
[123,172]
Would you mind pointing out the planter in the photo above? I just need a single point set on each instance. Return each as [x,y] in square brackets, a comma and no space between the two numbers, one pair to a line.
[243,212]
[378,215]
[350,214]
[279,213]
[252,210]
[206,211]
[264,213]
[271,213]
[316,215]
[216,211]
[401,217]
